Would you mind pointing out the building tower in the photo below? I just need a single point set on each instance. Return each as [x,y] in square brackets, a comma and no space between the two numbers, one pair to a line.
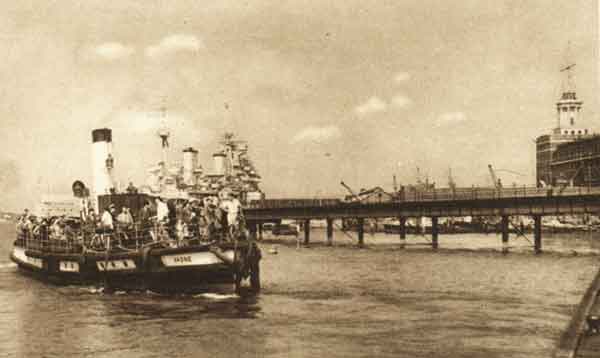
[102,163]
[569,128]
[568,108]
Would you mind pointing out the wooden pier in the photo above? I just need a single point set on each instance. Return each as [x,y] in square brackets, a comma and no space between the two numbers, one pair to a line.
[474,202]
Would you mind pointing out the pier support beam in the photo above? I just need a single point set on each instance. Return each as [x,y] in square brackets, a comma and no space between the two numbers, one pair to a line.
[361,232]
[306,232]
[504,230]
[329,232]
[434,232]
[402,232]
[537,234]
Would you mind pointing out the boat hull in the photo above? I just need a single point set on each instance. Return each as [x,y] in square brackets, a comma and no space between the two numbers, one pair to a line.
[186,269]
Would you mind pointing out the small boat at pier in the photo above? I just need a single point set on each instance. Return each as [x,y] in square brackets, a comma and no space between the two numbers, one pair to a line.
[136,260]
[183,233]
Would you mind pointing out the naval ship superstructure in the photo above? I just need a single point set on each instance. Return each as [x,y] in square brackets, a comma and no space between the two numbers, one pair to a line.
[233,172]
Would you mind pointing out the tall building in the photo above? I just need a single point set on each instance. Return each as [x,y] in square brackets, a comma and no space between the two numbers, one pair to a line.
[568,129]
[577,163]
[559,155]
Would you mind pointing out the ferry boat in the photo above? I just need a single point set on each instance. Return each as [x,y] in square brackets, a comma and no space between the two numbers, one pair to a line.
[171,238]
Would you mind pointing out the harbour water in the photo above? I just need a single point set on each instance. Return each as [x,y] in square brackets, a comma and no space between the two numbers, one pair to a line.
[465,300]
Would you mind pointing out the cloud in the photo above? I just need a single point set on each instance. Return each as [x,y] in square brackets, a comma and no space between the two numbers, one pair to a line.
[113,51]
[401,101]
[317,134]
[401,77]
[173,44]
[372,105]
[451,118]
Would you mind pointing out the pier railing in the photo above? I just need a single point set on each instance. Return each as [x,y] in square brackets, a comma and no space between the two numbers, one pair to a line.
[432,195]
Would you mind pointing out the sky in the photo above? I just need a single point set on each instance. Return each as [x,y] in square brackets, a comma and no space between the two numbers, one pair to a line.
[322,91]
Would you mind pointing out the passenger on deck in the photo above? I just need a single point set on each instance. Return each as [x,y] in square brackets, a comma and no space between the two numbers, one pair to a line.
[232,208]
[25,215]
[162,210]
[194,218]
[211,215]
[56,229]
[22,222]
[106,222]
[124,219]
[131,189]
[145,215]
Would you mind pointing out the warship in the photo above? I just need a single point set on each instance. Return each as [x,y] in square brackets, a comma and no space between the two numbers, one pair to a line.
[182,231]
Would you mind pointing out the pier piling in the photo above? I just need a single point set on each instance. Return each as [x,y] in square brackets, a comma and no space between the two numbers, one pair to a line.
[361,232]
[306,232]
[329,232]
[402,232]
[434,232]
[504,230]
[260,231]
[537,234]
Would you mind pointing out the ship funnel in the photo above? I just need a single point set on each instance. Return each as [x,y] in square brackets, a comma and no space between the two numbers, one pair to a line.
[190,162]
[102,162]
[219,159]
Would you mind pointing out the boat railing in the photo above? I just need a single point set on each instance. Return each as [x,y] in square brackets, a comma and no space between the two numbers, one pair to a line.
[124,237]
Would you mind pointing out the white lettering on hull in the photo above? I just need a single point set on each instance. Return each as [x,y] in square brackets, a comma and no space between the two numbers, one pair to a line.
[19,254]
[116,265]
[194,259]
[69,266]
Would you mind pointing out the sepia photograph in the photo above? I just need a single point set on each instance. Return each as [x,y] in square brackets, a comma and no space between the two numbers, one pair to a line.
[293,178]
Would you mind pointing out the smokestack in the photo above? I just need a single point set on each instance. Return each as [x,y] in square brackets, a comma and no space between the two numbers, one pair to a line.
[102,162]
[219,159]
[190,161]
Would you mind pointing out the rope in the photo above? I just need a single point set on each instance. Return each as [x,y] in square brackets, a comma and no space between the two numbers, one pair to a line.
[345,232]
[519,232]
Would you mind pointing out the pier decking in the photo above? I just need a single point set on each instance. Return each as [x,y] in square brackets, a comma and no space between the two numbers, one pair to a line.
[516,201]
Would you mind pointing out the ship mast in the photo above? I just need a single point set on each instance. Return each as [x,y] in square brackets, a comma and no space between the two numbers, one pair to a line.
[163,133]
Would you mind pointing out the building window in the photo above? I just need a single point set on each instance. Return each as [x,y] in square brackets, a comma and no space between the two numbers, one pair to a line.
[572,121]
[572,132]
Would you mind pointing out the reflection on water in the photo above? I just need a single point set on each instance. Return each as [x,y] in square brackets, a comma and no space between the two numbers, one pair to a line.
[465,301]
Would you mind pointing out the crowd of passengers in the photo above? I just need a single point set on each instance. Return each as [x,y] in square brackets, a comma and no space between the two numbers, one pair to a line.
[159,219]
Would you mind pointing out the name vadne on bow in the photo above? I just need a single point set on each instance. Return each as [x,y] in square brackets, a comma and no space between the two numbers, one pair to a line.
[195,259]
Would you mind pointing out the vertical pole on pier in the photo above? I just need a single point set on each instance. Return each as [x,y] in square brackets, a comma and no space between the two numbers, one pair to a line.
[306,232]
[329,232]
[504,234]
[361,232]
[434,232]
[537,234]
[402,232]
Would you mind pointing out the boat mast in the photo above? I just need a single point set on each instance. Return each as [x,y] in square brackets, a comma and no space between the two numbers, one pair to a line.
[164,134]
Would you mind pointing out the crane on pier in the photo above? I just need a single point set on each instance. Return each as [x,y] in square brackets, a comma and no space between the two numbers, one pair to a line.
[352,193]
[495,180]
